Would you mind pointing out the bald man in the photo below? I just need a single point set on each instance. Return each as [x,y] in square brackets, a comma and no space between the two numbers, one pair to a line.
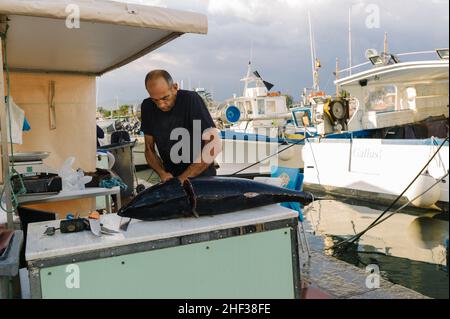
[180,125]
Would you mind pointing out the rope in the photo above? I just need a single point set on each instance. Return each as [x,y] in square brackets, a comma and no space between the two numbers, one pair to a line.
[352,239]
[376,221]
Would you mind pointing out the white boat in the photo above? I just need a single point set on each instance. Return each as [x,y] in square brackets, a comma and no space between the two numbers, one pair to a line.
[253,128]
[377,141]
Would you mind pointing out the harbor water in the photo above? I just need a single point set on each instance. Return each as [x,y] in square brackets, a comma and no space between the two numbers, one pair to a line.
[409,249]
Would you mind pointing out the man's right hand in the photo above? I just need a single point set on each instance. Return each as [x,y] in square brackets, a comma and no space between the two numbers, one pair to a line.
[165,177]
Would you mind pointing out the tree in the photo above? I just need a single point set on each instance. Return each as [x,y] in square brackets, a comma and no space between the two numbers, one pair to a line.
[123,110]
[289,100]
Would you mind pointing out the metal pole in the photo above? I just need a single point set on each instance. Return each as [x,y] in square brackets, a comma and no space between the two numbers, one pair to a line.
[4,145]
[337,77]
[313,57]
[350,41]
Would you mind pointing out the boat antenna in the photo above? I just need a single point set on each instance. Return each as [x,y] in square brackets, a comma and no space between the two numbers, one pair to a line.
[251,51]
[385,49]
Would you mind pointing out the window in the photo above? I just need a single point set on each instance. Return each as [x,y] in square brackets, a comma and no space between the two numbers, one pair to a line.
[381,98]
[248,107]
[261,107]
[302,118]
[240,106]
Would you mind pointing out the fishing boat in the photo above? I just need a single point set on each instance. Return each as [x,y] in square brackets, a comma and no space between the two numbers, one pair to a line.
[391,125]
[254,127]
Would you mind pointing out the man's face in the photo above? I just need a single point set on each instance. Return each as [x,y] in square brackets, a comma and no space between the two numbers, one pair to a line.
[162,94]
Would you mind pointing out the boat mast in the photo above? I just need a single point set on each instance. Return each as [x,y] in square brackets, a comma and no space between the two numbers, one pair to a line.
[314,63]
[350,41]
[385,49]
[247,78]
[337,77]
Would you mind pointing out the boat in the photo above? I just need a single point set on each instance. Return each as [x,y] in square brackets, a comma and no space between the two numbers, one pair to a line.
[253,129]
[378,137]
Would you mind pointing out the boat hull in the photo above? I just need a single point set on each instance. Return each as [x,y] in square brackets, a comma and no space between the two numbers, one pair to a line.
[378,169]
[240,151]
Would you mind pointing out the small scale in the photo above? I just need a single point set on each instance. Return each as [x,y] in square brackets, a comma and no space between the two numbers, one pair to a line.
[30,163]
[29,168]
[32,176]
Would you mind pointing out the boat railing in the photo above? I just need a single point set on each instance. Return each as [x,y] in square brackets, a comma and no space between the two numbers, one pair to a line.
[438,52]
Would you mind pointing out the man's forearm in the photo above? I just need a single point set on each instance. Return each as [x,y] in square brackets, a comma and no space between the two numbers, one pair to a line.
[210,150]
[154,162]
[194,170]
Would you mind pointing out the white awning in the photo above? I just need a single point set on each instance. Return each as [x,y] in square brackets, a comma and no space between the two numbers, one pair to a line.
[111,34]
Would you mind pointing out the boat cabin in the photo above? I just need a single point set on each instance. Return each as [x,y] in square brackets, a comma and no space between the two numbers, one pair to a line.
[397,94]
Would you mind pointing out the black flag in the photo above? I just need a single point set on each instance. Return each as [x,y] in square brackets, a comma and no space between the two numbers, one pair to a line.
[268,85]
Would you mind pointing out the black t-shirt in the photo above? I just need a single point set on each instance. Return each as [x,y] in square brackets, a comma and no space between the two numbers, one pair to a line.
[188,107]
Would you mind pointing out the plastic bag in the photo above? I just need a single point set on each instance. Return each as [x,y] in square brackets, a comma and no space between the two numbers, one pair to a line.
[72,180]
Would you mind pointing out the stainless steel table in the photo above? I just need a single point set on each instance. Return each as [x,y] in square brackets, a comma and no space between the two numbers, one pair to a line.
[86,193]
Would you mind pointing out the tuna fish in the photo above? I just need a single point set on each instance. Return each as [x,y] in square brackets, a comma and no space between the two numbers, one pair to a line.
[206,196]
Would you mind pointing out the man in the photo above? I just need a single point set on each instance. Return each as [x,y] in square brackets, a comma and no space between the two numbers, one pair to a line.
[100,135]
[169,114]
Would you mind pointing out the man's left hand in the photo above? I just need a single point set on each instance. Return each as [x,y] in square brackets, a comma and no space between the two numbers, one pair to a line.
[182,178]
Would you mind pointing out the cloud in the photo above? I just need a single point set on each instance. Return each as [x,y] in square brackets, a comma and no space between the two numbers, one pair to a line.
[275,33]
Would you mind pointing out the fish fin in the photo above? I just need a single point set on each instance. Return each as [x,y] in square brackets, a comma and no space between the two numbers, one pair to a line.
[191,195]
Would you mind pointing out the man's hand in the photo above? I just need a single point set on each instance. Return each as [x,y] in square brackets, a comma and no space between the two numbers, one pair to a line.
[182,178]
[210,151]
[165,176]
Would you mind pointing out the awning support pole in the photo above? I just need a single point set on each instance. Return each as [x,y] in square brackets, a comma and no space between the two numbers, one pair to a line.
[4,145]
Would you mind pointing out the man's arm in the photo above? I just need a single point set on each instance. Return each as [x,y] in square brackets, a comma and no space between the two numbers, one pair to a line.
[209,152]
[153,160]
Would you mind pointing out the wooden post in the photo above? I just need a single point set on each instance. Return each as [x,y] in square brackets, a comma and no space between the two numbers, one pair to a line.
[4,144]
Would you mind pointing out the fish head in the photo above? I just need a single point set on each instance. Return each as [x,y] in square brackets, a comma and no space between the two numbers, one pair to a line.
[161,201]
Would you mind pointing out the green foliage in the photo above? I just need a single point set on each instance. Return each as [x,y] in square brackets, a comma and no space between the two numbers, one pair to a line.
[289,100]
[124,109]
[104,112]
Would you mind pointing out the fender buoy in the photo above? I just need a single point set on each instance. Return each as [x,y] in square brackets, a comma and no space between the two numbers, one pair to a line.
[421,185]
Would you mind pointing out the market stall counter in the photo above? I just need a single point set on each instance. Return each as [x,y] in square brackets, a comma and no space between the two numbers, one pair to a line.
[246,254]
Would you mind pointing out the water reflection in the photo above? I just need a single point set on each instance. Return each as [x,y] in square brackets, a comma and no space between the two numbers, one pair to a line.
[410,247]
[405,235]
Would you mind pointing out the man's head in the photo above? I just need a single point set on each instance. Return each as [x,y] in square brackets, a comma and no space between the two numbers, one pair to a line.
[162,90]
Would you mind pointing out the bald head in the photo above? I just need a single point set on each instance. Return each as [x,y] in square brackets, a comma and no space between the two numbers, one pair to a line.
[158,74]
[162,90]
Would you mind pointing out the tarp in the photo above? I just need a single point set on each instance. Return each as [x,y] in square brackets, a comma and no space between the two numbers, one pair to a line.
[110,34]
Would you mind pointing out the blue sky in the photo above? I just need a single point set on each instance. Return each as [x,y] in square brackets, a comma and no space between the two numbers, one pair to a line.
[276,34]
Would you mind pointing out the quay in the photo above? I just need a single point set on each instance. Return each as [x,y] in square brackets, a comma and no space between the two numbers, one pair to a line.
[326,277]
